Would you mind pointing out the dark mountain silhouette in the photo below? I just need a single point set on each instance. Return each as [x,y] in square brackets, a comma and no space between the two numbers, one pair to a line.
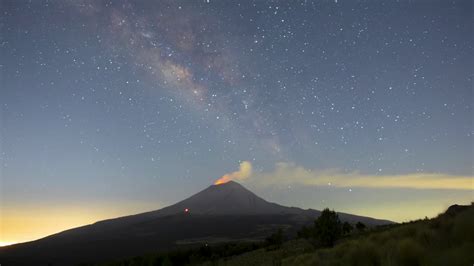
[219,213]
[230,198]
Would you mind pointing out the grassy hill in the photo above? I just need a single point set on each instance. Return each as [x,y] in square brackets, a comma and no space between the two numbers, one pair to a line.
[445,240]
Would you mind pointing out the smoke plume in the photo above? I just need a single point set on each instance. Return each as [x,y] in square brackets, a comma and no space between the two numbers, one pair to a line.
[244,172]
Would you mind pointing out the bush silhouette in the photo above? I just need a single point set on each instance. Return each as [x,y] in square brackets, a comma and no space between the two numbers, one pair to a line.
[410,252]
[305,232]
[346,228]
[275,239]
[327,228]
[360,226]
[364,253]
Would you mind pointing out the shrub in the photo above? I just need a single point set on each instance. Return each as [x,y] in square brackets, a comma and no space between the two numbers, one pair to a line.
[327,228]
[275,239]
[425,236]
[409,253]
[305,232]
[360,226]
[463,229]
[346,228]
[364,253]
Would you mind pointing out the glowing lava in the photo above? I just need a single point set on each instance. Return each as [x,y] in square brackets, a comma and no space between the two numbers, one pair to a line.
[245,171]
[221,181]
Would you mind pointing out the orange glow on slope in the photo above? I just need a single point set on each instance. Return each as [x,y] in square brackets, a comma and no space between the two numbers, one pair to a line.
[244,172]
[224,179]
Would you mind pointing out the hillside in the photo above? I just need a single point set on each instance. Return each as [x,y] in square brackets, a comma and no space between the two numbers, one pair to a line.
[445,240]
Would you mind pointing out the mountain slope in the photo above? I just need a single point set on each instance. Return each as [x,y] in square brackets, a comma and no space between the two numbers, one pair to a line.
[223,212]
[230,198]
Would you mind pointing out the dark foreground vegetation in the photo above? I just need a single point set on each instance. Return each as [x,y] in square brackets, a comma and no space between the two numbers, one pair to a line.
[445,240]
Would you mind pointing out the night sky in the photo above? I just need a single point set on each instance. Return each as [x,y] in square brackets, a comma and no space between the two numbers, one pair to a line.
[111,108]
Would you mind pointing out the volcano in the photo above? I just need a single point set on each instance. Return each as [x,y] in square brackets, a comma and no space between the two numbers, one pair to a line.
[219,213]
[230,198]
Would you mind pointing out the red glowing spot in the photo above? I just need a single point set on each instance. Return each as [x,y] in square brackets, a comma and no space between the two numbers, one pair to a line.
[186,210]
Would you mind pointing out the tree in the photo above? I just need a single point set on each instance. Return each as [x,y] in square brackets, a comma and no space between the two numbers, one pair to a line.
[327,228]
[360,226]
[346,228]
[305,232]
[275,238]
